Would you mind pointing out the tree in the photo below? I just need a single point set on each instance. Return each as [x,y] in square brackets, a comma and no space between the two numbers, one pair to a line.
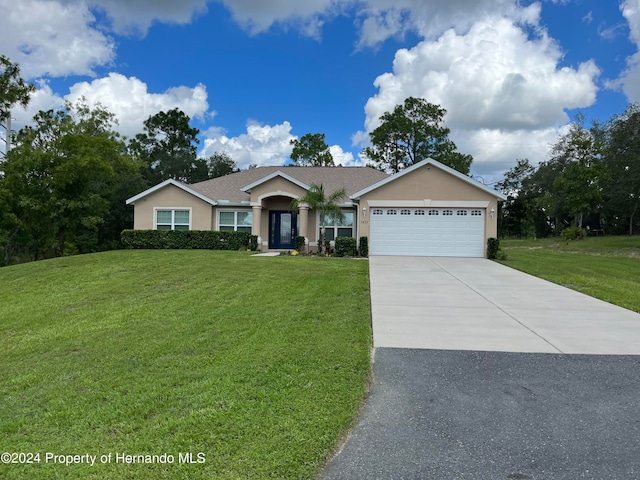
[221,164]
[13,91]
[622,160]
[578,182]
[311,151]
[62,178]
[411,133]
[518,211]
[327,206]
[168,149]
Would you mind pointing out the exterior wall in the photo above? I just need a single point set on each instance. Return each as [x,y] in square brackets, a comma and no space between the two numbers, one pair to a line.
[430,183]
[274,187]
[172,197]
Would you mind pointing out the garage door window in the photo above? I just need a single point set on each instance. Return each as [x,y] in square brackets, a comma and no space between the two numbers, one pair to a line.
[447,212]
[461,212]
[392,212]
[476,213]
[377,211]
[434,212]
[338,228]
[418,212]
[405,211]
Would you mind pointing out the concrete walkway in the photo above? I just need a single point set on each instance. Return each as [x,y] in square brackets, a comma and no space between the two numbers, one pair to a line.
[477,304]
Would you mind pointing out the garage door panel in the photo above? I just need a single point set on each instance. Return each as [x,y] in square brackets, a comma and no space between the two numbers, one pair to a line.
[427,232]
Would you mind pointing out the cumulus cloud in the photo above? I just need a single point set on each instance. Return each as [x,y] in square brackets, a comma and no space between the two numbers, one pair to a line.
[131,102]
[138,15]
[258,16]
[629,81]
[261,144]
[498,85]
[377,20]
[49,38]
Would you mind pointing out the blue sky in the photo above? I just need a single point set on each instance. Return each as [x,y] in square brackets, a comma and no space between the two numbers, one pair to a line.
[254,74]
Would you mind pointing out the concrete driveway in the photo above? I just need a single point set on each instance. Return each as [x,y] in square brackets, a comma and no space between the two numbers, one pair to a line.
[471,379]
[476,304]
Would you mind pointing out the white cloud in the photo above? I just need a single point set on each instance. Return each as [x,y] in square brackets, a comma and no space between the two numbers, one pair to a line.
[261,145]
[131,102]
[48,38]
[377,20]
[138,15]
[497,85]
[258,16]
[340,157]
[629,81]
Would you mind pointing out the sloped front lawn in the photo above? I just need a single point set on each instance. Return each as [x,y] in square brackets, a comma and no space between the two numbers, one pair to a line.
[247,367]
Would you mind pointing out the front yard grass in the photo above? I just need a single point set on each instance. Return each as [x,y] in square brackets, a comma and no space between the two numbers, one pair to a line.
[607,268]
[261,364]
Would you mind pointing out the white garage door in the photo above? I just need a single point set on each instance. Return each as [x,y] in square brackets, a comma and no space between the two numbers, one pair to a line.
[434,232]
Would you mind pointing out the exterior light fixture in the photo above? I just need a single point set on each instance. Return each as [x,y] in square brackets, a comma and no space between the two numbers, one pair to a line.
[493,212]
[364,211]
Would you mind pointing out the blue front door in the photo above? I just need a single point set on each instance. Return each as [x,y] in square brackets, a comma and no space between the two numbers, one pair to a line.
[282,229]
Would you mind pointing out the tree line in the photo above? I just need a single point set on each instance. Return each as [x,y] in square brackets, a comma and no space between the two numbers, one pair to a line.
[64,183]
[591,181]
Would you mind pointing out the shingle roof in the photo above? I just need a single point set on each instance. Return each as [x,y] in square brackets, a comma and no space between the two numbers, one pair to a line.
[352,179]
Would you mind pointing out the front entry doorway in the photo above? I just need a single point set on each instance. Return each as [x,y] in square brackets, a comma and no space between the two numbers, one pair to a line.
[283,229]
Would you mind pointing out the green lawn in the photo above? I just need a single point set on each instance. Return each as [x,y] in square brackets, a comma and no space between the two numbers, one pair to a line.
[261,363]
[603,267]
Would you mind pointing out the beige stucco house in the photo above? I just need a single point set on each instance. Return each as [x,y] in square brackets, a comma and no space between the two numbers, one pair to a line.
[428,209]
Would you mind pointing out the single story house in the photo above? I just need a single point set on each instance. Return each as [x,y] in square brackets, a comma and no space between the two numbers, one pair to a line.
[427,209]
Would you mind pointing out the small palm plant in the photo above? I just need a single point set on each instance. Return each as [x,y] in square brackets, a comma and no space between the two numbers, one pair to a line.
[327,206]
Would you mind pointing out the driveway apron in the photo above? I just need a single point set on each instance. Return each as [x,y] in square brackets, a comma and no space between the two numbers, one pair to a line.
[484,372]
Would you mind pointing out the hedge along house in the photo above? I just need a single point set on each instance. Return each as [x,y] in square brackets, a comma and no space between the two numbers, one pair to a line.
[428,209]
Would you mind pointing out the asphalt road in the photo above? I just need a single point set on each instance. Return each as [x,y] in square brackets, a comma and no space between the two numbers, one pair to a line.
[436,414]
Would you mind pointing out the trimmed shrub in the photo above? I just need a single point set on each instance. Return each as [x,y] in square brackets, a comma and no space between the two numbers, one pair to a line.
[300,245]
[345,247]
[253,243]
[364,246]
[185,239]
[493,247]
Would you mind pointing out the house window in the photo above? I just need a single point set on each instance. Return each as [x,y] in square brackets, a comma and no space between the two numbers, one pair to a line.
[173,219]
[476,213]
[235,221]
[447,212]
[461,212]
[418,212]
[377,211]
[405,211]
[434,212]
[333,228]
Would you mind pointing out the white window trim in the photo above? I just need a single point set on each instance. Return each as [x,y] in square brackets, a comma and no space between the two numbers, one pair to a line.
[172,209]
[335,227]
[235,217]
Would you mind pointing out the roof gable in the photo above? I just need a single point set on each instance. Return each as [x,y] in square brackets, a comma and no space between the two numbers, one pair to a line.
[275,174]
[421,164]
[175,183]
